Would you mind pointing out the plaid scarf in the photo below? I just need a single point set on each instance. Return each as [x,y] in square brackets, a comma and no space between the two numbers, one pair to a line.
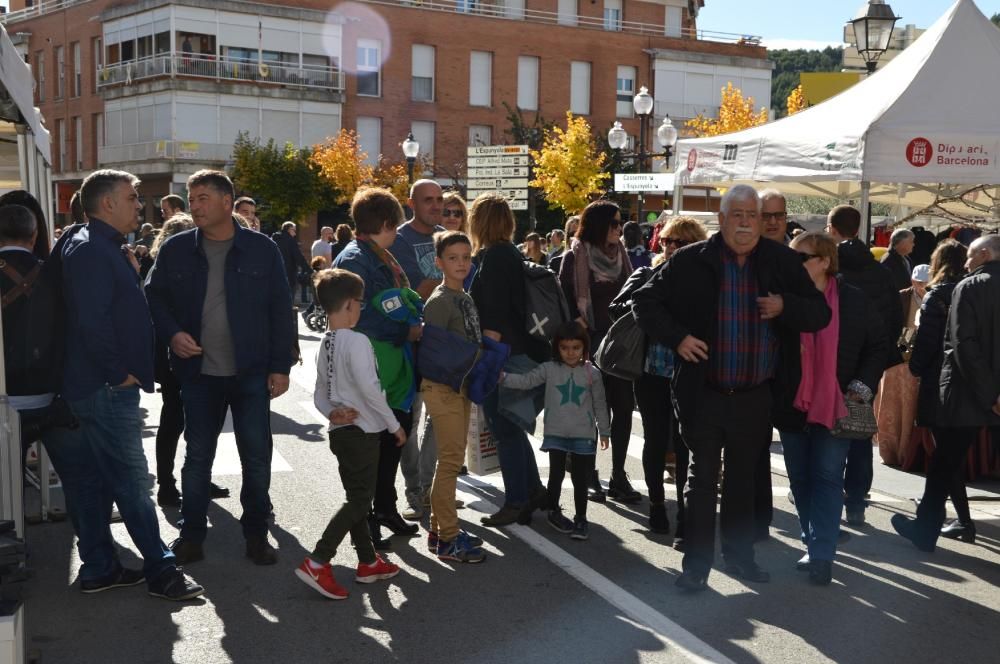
[398,276]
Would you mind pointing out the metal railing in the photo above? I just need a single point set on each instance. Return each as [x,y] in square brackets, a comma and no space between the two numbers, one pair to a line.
[504,10]
[169,150]
[38,10]
[198,65]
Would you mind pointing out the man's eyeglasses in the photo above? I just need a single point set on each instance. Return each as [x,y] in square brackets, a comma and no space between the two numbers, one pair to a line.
[777,216]
[667,241]
[807,257]
[458,214]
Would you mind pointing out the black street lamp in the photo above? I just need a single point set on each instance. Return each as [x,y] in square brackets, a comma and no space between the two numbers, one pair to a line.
[666,136]
[873,25]
[410,150]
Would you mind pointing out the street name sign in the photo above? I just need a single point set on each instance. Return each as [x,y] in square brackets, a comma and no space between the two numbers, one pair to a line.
[644,181]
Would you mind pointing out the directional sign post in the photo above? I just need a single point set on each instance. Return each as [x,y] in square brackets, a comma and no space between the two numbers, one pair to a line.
[501,169]
[644,182]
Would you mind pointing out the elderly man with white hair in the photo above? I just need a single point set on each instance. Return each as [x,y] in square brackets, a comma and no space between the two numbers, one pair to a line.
[896,259]
[730,307]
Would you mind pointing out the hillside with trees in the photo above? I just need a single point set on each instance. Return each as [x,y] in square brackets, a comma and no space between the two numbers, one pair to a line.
[789,64]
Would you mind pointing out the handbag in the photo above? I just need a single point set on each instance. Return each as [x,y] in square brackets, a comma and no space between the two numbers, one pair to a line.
[622,352]
[858,424]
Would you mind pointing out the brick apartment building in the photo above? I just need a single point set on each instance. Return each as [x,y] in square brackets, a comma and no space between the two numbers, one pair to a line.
[161,87]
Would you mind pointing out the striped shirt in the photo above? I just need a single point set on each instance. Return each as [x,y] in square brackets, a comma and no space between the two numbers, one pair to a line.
[745,351]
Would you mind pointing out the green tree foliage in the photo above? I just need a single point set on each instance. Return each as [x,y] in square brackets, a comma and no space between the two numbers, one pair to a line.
[285,183]
[789,64]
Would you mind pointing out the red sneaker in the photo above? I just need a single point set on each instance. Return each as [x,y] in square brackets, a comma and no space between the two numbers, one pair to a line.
[379,569]
[321,580]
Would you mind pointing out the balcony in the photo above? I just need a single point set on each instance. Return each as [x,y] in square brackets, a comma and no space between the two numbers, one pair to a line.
[237,70]
[164,150]
[39,9]
[501,9]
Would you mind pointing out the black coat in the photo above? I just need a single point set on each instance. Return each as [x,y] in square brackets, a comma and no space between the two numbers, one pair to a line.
[292,256]
[860,269]
[899,268]
[682,299]
[622,304]
[861,347]
[928,351]
[970,373]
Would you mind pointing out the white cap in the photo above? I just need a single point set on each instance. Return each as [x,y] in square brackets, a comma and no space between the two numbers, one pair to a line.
[921,273]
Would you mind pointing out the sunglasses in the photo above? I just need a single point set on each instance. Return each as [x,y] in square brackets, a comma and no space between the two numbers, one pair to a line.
[458,214]
[667,241]
[807,257]
[773,215]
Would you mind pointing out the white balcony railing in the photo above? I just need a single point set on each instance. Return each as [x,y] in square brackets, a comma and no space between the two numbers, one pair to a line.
[39,9]
[164,150]
[228,69]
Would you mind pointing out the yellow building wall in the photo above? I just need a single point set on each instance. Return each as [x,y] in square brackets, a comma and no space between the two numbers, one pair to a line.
[821,85]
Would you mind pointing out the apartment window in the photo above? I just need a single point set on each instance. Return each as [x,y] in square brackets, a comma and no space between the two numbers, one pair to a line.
[480,135]
[97,131]
[78,142]
[480,78]
[77,70]
[61,133]
[579,88]
[612,14]
[40,70]
[97,52]
[673,25]
[423,133]
[527,83]
[370,138]
[625,91]
[60,72]
[568,12]
[423,72]
[369,68]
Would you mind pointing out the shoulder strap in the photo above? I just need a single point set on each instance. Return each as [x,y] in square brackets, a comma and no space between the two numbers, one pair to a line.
[22,284]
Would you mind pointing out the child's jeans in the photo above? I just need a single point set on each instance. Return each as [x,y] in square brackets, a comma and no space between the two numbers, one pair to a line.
[357,458]
[449,413]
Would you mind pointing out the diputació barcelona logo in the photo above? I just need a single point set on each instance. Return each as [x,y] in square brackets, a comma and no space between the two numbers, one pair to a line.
[919,152]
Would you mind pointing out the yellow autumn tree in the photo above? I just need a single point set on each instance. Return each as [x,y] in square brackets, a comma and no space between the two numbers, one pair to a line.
[341,162]
[393,177]
[796,101]
[568,168]
[736,112]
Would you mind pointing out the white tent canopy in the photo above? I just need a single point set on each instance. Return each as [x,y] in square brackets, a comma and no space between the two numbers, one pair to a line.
[928,116]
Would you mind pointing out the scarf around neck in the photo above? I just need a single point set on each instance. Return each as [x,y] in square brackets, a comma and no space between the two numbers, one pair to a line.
[604,268]
[398,276]
[819,394]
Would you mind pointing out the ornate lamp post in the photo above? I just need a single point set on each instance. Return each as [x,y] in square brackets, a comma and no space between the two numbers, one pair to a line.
[410,150]
[873,25]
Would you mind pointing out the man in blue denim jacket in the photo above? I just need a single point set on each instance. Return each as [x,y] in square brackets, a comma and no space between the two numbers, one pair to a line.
[108,360]
[218,293]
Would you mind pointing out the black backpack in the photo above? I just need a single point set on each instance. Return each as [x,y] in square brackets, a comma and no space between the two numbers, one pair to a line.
[545,305]
[34,328]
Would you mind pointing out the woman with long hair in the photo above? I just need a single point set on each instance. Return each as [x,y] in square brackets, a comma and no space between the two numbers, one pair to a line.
[499,294]
[454,214]
[947,269]
[592,273]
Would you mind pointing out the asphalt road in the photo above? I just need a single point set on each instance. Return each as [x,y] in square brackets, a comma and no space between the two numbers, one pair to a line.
[539,596]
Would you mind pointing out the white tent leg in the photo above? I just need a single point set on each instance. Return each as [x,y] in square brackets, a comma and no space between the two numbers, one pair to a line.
[678,195]
[866,221]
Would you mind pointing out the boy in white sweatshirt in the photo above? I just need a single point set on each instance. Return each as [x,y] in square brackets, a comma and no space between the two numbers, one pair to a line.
[347,378]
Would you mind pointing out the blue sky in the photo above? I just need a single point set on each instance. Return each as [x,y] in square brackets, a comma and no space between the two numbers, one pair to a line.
[814,23]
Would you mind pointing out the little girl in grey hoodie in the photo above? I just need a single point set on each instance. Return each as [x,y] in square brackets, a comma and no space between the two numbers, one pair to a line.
[575,412]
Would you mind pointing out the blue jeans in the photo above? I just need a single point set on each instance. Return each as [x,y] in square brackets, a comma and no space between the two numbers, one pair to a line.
[517,460]
[108,462]
[815,462]
[859,475]
[206,400]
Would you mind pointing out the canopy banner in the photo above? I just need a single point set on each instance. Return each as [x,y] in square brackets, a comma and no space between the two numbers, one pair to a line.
[704,161]
[934,156]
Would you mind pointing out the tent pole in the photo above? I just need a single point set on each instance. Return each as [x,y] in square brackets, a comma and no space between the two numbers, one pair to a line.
[866,213]
[678,194]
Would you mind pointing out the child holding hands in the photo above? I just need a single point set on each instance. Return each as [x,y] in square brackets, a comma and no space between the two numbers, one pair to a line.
[575,411]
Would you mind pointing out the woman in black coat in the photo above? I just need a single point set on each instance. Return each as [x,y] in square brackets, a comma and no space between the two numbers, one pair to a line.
[947,269]
[843,360]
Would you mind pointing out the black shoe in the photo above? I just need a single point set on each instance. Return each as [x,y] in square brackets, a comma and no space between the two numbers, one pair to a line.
[216,491]
[186,551]
[820,572]
[658,521]
[843,537]
[464,470]
[397,524]
[595,492]
[957,530]
[909,528]
[375,530]
[168,496]
[504,517]
[173,585]
[748,572]
[802,564]
[123,577]
[538,501]
[620,490]
[260,551]
[692,582]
